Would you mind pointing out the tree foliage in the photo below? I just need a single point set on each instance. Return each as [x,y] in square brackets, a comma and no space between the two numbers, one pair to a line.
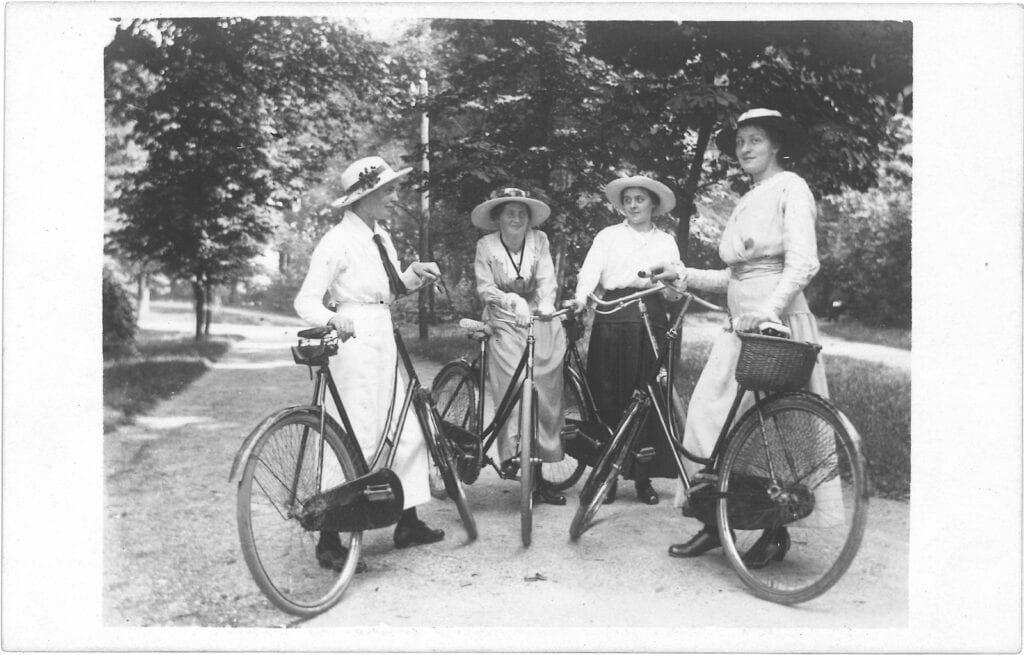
[118,318]
[236,118]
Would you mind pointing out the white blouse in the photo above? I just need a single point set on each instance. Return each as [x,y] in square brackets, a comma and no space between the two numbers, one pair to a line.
[346,263]
[496,274]
[618,253]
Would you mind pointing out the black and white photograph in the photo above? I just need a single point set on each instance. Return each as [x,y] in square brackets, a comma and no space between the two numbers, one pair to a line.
[545,327]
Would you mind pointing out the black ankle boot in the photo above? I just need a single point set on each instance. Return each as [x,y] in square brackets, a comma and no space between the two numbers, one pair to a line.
[330,554]
[699,544]
[543,492]
[645,493]
[773,544]
[411,531]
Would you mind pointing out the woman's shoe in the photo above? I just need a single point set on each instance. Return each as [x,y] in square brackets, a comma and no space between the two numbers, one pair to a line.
[509,469]
[773,544]
[330,554]
[699,544]
[545,494]
[415,533]
[645,493]
[610,496]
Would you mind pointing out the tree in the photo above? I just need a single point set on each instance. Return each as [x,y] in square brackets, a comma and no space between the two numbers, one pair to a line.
[239,116]
[564,107]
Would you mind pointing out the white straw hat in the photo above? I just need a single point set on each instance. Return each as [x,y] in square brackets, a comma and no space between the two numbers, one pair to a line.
[666,199]
[365,176]
[481,214]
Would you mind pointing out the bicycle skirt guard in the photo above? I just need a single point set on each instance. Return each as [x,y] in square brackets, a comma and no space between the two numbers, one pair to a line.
[371,501]
[753,503]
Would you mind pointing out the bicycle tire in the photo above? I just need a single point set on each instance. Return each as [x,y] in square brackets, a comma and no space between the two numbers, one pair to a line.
[527,441]
[564,474]
[822,495]
[280,554]
[455,392]
[444,459]
[599,482]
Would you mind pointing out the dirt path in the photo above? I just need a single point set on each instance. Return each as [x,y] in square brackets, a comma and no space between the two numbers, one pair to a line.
[171,553]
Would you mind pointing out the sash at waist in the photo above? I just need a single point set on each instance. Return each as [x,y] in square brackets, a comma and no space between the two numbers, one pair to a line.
[757,268]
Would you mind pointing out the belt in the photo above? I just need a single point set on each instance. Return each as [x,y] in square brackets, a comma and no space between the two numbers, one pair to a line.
[757,268]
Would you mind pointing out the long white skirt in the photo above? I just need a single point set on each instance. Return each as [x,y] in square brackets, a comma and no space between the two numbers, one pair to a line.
[364,371]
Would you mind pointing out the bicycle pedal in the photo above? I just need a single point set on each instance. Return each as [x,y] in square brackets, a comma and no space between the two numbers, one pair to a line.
[644,455]
[569,432]
[378,493]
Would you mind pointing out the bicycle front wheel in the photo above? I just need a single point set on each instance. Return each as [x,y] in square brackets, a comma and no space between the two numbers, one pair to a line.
[442,457]
[279,474]
[528,436]
[602,477]
[565,473]
[793,497]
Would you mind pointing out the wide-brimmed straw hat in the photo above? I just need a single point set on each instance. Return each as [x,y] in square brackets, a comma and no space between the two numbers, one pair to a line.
[795,142]
[365,176]
[666,199]
[481,214]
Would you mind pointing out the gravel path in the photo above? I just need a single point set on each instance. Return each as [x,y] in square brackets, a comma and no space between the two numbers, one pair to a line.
[171,553]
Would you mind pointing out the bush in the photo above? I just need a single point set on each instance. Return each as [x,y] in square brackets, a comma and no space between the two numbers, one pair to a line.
[119,324]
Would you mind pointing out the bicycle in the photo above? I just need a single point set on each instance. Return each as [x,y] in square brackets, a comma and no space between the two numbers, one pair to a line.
[792,457]
[300,473]
[457,390]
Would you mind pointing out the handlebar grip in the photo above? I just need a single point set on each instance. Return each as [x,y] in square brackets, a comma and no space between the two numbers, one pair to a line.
[315,332]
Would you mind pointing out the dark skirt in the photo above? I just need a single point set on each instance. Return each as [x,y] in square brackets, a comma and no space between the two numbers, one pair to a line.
[620,357]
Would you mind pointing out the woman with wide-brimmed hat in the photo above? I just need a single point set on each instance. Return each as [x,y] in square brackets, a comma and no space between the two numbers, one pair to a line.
[515,277]
[770,248]
[619,351]
[356,264]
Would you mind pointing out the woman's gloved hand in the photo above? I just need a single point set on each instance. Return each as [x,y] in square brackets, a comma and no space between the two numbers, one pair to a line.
[521,309]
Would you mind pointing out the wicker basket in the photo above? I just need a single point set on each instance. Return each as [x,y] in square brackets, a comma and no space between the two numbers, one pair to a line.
[774,363]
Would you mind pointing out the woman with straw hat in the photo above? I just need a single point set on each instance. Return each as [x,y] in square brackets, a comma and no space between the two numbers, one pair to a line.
[619,351]
[770,248]
[515,277]
[356,264]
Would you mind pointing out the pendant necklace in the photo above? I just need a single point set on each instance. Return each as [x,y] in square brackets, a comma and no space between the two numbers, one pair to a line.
[508,252]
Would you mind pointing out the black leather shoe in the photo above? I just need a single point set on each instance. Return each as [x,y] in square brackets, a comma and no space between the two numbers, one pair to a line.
[645,493]
[699,544]
[771,545]
[416,533]
[612,493]
[509,469]
[545,494]
[334,556]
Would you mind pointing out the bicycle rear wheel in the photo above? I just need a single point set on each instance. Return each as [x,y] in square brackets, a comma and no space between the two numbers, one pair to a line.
[796,470]
[280,473]
[455,393]
[565,473]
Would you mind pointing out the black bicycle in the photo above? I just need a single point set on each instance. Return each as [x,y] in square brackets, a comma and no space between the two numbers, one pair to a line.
[300,472]
[793,460]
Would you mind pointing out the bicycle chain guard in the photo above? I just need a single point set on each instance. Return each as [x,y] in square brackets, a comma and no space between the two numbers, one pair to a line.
[371,501]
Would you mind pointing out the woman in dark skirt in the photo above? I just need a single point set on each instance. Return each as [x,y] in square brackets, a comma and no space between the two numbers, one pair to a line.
[620,353]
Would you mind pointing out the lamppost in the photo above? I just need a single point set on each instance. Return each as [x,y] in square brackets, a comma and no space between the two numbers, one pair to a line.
[426,297]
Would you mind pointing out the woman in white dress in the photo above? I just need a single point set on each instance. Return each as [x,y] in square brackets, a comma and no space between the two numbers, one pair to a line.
[770,248]
[515,277]
[356,263]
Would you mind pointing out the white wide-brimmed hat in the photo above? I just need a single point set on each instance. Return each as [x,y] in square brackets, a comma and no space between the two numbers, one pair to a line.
[666,199]
[795,143]
[365,176]
[481,214]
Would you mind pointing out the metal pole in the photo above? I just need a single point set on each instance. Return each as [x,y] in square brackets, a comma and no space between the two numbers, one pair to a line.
[425,255]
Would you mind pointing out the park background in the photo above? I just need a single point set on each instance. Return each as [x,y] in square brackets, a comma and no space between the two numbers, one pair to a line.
[950,274]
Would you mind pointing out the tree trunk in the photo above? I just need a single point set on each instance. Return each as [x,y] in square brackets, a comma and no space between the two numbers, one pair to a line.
[143,293]
[424,294]
[688,206]
[208,314]
[199,299]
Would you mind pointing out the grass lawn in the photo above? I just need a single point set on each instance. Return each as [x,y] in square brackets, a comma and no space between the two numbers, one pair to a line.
[875,397]
[166,363]
[853,330]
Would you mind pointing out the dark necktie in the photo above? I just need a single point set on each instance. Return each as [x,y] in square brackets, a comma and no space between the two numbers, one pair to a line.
[395,282]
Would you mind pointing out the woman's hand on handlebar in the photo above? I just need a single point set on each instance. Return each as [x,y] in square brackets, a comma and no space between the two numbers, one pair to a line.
[521,309]
[751,321]
[578,305]
[426,271]
[344,326]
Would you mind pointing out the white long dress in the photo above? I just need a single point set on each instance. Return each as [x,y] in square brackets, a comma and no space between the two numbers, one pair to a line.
[346,263]
[770,247]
